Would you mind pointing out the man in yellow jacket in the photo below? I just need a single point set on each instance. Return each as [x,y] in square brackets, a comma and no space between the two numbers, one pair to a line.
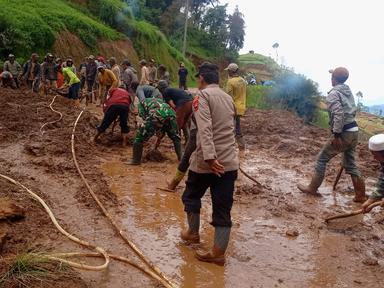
[107,80]
[237,89]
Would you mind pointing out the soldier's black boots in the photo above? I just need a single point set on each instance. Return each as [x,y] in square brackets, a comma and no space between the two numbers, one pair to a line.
[137,154]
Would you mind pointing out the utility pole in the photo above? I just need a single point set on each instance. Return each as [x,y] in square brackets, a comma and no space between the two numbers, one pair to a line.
[185,28]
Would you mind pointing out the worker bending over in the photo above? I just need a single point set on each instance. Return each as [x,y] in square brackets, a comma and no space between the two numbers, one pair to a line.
[116,105]
[107,80]
[376,146]
[158,117]
[344,139]
[181,101]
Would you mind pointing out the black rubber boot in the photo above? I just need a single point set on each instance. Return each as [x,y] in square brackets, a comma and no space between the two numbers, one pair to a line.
[178,149]
[137,154]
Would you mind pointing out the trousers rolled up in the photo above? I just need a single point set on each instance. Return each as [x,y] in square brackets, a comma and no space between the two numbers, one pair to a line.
[350,141]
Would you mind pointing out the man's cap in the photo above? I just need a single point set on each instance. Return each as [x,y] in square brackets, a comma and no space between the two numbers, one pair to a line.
[49,55]
[143,62]
[233,67]
[91,57]
[69,60]
[341,74]
[182,64]
[162,85]
[152,60]
[11,56]
[100,67]
[206,68]
[376,143]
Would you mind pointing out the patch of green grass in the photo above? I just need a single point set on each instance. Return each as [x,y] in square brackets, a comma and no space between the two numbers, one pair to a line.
[28,268]
[257,97]
[321,118]
[255,58]
[32,26]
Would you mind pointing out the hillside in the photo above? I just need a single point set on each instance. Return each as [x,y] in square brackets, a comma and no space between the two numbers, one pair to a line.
[78,28]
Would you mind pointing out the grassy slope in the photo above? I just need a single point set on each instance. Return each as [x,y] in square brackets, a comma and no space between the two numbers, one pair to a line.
[258,59]
[33,25]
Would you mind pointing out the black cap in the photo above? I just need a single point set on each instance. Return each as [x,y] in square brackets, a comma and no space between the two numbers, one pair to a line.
[207,68]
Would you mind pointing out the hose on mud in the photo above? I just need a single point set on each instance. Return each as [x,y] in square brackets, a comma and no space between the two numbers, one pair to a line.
[52,122]
[60,257]
[163,279]
[65,233]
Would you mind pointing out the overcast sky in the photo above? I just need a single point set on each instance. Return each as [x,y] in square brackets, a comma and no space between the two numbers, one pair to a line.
[316,35]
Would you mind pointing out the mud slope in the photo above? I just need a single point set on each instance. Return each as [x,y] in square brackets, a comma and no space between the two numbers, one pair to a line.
[43,162]
[279,238]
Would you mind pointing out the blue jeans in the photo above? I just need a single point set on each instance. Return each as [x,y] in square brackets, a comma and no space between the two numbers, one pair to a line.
[74,91]
[350,141]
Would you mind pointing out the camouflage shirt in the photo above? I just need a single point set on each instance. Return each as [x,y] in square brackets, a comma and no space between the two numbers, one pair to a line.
[156,111]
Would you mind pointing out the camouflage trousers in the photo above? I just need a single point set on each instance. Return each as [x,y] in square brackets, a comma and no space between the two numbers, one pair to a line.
[152,127]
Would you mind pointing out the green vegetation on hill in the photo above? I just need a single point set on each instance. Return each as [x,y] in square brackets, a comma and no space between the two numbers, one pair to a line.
[31,26]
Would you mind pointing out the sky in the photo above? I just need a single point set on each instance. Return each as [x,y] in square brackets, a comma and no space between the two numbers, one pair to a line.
[317,35]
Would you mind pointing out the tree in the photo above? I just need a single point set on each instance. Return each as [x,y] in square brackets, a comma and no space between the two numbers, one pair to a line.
[359,96]
[236,30]
[215,24]
[198,8]
[296,93]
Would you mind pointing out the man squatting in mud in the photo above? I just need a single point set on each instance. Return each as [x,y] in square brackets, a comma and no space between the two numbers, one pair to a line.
[342,113]
[376,146]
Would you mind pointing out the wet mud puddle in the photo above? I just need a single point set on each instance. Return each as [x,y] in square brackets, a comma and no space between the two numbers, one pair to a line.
[261,252]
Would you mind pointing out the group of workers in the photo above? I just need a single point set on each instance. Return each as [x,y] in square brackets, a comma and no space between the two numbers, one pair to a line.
[211,123]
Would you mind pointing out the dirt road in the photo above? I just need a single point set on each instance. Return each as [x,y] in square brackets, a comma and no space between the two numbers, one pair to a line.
[280,151]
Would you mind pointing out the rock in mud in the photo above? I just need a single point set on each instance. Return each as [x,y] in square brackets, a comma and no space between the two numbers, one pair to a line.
[369,261]
[154,156]
[292,233]
[10,210]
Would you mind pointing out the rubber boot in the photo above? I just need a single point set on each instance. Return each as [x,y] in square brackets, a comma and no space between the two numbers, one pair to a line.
[137,154]
[312,187]
[359,187]
[178,149]
[125,139]
[217,254]
[191,235]
[240,142]
[176,180]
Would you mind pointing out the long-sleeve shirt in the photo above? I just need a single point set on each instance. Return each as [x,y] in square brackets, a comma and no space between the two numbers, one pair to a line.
[70,78]
[214,112]
[108,79]
[116,70]
[129,76]
[49,71]
[91,71]
[237,89]
[341,108]
[14,68]
[378,193]
[146,91]
[144,76]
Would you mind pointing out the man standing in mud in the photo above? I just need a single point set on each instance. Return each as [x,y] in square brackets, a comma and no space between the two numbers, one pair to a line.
[31,73]
[376,146]
[214,164]
[344,139]
[237,88]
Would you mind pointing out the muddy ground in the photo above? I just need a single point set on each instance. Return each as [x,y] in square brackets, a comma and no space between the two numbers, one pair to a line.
[279,237]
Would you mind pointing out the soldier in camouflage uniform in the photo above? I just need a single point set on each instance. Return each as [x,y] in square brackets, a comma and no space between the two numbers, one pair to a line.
[376,146]
[158,117]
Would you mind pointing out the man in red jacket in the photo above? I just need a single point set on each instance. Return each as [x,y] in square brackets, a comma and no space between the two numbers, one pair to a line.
[116,105]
